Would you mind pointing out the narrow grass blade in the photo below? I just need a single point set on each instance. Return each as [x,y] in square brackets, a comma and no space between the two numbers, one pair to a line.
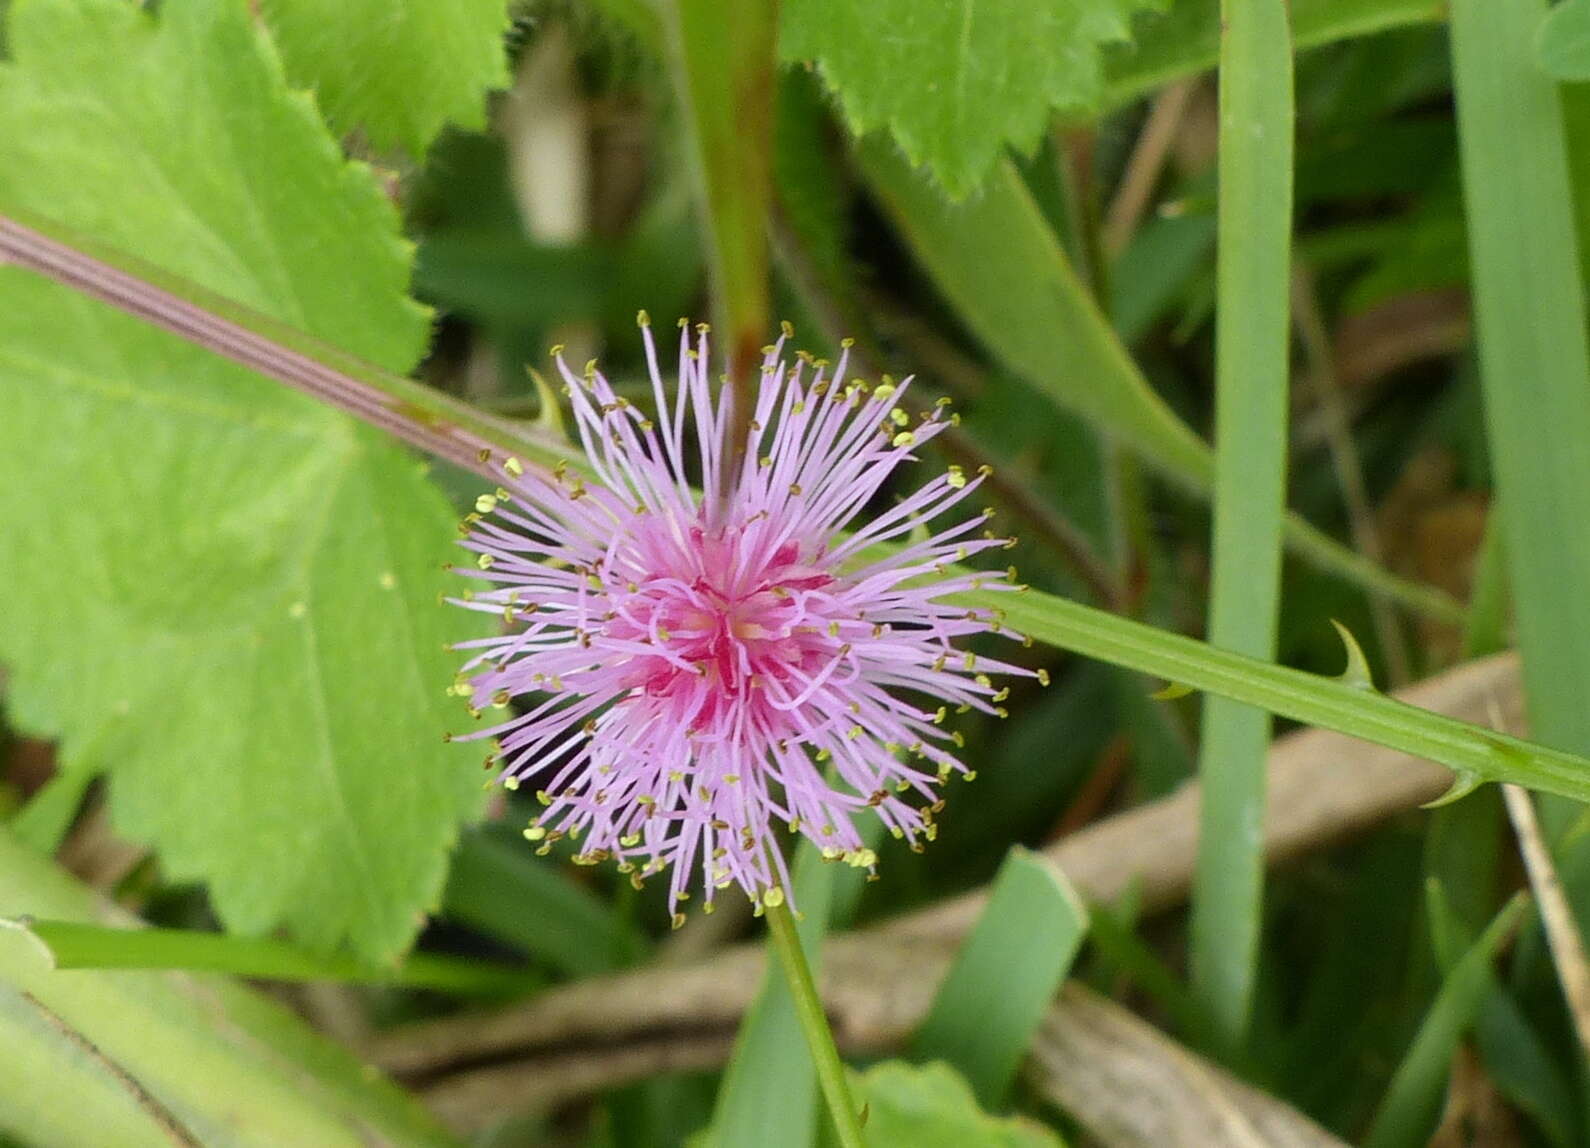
[1009,968]
[1252,338]
[1534,361]
[1523,1067]
[501,888]
[1002,267]
[1407,1115]
[73,945]
[1112,939]
[724,74]
[44,821]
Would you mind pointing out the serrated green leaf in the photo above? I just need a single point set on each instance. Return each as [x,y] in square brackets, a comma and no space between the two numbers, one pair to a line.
[243,597]
[956,82]
[933,1107]
[400,69]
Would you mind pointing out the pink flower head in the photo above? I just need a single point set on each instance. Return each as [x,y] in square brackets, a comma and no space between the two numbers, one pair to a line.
[690,665]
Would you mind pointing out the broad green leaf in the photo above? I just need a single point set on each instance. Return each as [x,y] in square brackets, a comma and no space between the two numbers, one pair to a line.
[225,1064]
[1008,971]
[242,597]
[1562,42]
[955,82]
[933,1107]
[399,69]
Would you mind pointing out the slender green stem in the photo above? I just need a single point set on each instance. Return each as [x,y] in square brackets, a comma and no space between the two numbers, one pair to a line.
[814,1022]
[725,77]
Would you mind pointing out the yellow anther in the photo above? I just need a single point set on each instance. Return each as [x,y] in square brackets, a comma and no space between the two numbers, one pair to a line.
[904,438]
[485,504]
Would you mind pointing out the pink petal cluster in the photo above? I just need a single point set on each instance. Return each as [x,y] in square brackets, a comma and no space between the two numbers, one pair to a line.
[689,665]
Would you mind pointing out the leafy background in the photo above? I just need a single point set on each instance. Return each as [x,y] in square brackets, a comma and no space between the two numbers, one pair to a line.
[224,663]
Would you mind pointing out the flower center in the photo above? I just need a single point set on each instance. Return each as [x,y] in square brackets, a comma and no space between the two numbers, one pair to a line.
[726,630]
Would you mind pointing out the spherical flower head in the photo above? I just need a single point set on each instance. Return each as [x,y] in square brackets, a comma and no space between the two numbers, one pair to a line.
[690,666]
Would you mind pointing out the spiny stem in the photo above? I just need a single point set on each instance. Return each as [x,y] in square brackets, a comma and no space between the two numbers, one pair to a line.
[814,1023]
[408,410]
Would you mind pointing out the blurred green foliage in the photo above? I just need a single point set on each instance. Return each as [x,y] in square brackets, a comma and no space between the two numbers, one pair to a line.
[218,619]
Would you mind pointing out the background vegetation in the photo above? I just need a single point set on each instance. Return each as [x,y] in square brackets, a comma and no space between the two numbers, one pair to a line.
[1352,263]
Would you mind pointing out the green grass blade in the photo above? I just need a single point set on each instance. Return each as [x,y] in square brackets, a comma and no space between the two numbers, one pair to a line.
[724,75]
[498,886]
[1252,325]
[74,945]
[1534,361]
[1009,968]
[1001,266]
[1407,1115]
[47,817]
[1123,952]
[1524,1068]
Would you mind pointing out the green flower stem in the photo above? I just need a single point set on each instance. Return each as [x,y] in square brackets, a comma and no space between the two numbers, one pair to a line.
[814,1022]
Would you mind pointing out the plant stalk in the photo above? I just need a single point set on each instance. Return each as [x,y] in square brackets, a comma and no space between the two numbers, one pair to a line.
[814,1023]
